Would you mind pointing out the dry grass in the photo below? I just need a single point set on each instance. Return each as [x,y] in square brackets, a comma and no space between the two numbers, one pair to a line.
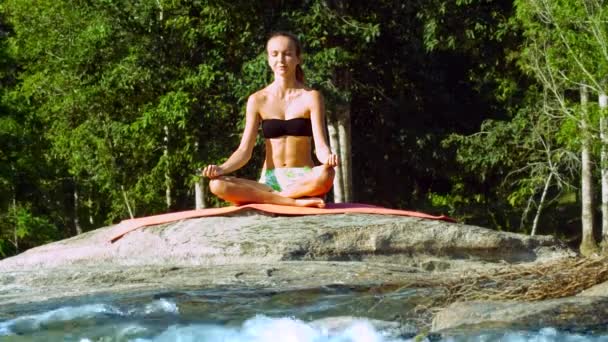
[555,279]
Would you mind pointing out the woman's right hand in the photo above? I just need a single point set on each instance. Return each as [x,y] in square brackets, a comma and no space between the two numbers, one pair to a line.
[212,171]
[332,160]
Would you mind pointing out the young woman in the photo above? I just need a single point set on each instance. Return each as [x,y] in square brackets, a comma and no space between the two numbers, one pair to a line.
[292,117]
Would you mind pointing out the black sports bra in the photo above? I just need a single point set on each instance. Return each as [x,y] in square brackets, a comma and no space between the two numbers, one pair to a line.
[274,128]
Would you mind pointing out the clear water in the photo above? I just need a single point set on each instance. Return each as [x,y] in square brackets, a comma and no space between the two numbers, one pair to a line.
[233,315]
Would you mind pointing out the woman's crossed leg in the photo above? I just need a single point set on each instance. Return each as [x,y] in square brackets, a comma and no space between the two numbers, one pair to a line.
[301,192]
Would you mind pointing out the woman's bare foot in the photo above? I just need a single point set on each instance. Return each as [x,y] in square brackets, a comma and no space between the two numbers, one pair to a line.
[310,202]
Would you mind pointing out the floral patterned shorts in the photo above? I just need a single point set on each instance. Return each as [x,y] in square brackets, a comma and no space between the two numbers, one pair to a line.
[281,178]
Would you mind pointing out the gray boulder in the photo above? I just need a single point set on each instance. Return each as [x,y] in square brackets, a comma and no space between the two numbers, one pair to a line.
[577,311]
[256,239]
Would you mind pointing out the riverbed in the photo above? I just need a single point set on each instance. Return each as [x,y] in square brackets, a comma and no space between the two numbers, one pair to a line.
[333,314]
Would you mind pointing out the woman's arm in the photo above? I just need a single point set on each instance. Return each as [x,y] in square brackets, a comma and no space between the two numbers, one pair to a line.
[242,154]
[317,118]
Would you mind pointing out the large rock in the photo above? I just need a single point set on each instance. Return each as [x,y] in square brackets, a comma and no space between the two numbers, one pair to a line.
[256,239]
[253,250]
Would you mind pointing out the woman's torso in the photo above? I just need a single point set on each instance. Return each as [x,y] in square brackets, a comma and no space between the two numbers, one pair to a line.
[286,150]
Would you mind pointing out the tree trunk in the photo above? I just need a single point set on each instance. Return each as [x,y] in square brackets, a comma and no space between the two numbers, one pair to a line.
[167,176]
[77,227]
[541,204]
[603,101]
[344,136]
[588,244]
[199,186]
[90,210]
[524,215]
[15,236]
[166,139]
[199,194]
[334,141]
[340,141]
[340,138]
[161,11]
[124,194]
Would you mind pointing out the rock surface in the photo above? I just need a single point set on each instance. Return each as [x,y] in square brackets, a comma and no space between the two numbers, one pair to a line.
[256,239]
[597,290]
[257,250]
[582,312]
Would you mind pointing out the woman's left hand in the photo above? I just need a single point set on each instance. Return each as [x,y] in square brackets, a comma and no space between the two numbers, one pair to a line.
[332,160]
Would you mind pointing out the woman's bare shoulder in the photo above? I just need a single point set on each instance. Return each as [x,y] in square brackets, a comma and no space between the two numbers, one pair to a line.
[312,94]
[259,96]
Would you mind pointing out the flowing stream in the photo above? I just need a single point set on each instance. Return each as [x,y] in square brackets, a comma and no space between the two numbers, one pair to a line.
[235,315]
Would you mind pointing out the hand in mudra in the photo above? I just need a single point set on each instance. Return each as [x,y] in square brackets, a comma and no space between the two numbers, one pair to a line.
[332,160]
[212,171]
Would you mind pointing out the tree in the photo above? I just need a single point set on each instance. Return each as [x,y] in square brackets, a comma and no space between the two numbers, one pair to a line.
[27,182]
[552,28]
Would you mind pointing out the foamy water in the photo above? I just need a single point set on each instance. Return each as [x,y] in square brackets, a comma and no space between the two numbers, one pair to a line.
[264,329]
[161,320]
[257,329]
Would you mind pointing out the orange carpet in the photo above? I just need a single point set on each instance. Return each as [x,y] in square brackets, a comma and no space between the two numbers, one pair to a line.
[332,208]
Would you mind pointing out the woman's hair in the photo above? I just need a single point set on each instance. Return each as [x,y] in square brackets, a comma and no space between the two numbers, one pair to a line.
[296,42]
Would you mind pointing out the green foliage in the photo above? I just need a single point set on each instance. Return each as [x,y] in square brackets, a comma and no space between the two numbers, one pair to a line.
[522,153]
[563,49]
[118,83]
[20,229]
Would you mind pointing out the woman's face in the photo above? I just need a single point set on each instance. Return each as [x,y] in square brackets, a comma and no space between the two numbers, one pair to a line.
[282,56]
